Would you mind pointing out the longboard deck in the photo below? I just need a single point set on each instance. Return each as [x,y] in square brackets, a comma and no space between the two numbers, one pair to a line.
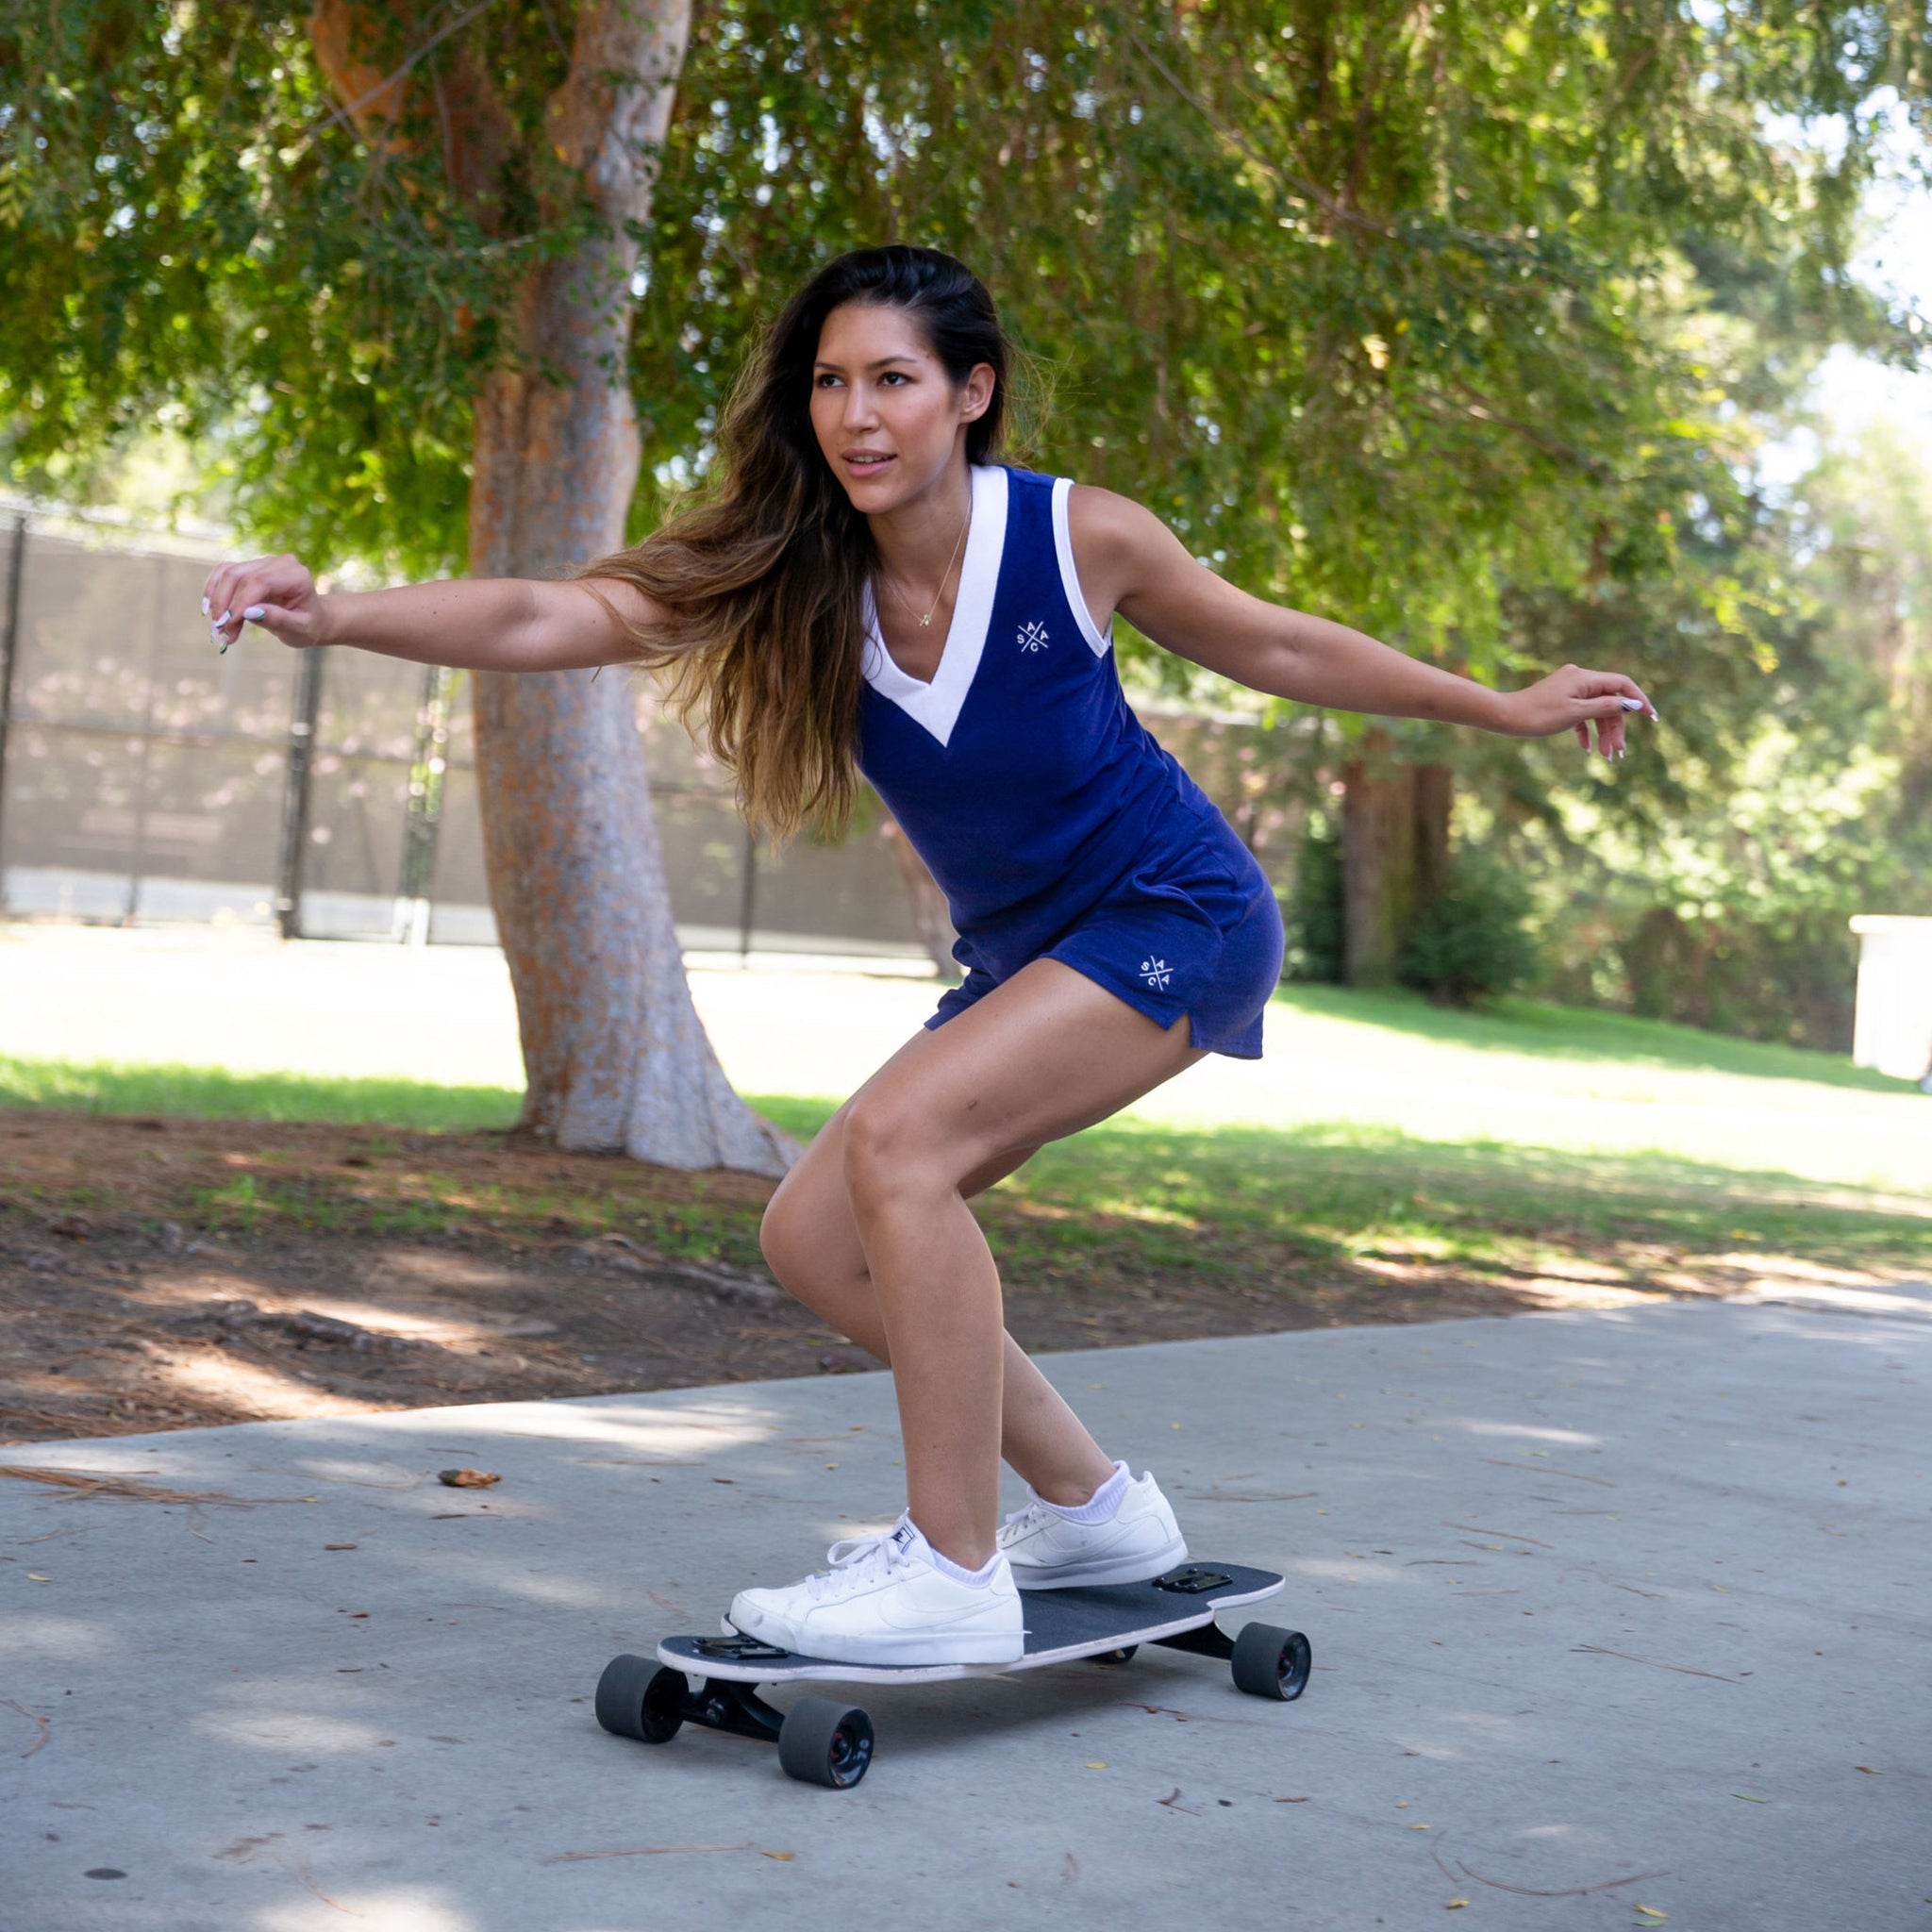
[1062,1626]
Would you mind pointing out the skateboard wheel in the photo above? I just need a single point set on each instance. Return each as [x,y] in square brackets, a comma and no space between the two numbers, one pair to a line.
[1114,1658]
[1270,1663]
[635,1700]
[662,1716]
[825,1743]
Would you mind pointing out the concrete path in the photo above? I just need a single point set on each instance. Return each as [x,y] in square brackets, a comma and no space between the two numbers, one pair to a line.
[1618,1618]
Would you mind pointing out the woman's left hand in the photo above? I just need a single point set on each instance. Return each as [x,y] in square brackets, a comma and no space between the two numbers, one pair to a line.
[1570,700]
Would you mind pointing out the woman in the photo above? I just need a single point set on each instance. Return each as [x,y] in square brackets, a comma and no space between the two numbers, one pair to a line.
[864,588]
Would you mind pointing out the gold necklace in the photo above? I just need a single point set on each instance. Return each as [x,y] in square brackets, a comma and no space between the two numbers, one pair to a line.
[945,579]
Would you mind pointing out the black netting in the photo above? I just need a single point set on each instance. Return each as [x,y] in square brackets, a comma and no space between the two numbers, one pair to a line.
[148,777]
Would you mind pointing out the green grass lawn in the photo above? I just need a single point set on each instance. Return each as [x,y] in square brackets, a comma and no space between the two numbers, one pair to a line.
[211,1093]
[1454,1046]
[1148,1195]
[1576,1033]
[1227,1200]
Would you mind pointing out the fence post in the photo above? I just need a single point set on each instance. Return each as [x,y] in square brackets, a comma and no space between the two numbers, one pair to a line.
[423,814]
[295,793]
[747,896]
[10,641]
[137,852]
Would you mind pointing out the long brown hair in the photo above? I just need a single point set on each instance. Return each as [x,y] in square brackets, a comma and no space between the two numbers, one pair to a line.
[763,580]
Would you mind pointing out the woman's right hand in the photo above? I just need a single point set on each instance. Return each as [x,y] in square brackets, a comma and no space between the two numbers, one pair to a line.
[278,592]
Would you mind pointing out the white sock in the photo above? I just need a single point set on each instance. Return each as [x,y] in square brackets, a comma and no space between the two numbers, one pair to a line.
[1103,1505]
[958,1573]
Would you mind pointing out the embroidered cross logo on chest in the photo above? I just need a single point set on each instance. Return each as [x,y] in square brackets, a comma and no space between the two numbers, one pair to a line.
[1032,636]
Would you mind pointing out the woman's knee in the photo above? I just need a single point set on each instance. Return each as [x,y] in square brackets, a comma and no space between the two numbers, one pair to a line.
[778,1239]
[893,1148]
[807,1232]
[792,1235]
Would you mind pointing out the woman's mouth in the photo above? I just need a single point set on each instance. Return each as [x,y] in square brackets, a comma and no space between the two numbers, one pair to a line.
[866,462]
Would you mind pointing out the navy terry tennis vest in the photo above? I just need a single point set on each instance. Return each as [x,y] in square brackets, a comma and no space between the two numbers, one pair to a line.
[1020,774]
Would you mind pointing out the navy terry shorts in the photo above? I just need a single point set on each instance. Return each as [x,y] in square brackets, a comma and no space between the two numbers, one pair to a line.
[1188,934]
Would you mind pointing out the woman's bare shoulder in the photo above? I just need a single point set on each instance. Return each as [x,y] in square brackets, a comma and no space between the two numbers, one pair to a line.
[1117,541]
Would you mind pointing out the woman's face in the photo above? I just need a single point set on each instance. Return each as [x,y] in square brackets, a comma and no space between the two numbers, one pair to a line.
[887,415]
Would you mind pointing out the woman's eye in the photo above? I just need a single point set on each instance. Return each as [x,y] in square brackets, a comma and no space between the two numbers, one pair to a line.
[826,382]
[895,375]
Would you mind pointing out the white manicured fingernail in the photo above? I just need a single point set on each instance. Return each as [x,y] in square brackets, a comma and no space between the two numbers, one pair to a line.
[223,618]
[254,612]
[203,606]
[1633,704]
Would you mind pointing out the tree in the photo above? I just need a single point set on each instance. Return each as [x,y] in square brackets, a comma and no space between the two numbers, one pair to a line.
[1408,314]
[1720,895]
[515,173]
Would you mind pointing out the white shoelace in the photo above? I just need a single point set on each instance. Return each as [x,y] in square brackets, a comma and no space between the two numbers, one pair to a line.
[1023,1520]
[857,1560]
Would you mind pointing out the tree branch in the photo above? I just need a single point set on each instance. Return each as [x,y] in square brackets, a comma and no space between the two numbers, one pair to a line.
[331,33]
[1295,184]
[609,119]
[478,134]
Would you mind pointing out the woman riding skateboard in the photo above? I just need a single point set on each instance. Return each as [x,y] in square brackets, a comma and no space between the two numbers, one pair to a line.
[864,589]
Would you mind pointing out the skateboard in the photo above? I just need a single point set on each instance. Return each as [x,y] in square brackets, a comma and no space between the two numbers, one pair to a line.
[824,1743]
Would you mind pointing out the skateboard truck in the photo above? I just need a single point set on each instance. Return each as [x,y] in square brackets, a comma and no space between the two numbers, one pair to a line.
[819,1742]
[721,1704]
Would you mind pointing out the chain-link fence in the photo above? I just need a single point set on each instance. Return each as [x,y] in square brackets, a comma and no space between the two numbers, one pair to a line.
[144,778]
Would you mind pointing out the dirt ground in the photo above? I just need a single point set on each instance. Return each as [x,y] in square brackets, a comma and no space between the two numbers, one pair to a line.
[160,1275]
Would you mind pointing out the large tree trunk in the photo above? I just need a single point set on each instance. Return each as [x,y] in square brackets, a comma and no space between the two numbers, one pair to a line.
[1394,856]
[616,1056]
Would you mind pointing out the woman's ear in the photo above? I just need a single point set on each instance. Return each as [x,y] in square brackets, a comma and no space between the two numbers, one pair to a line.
[976,392]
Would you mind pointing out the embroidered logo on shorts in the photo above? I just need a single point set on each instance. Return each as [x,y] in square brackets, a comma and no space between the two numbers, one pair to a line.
[1032,636]
[1156,973]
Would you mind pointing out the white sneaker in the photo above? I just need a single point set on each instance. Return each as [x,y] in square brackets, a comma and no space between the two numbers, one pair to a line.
[886,1601]
[1139,1541]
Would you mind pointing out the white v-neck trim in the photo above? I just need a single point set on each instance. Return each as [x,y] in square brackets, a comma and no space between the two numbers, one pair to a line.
[937,706]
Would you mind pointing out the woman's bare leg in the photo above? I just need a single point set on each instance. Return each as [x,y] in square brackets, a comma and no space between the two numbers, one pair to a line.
[811,1242]
[901,1265]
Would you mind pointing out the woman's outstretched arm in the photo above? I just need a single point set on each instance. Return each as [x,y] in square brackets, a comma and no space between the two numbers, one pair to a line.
[1130,562]
[471,624]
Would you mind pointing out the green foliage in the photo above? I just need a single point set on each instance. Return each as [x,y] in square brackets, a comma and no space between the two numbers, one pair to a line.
[1789,980]
[1382,308]
[197,239]
[1470,941]
[1374,303]
[1314,925]
[1718,890]
[1457,322]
